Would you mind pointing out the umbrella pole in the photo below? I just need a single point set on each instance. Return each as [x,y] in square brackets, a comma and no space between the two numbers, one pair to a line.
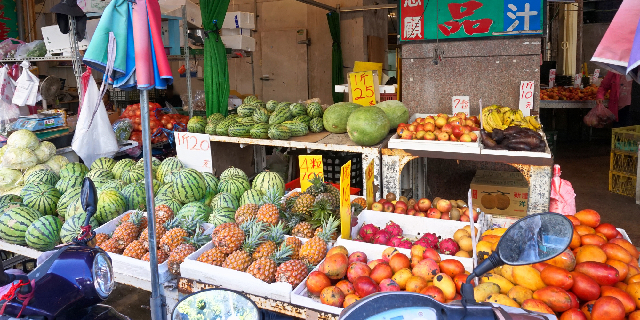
[158,302]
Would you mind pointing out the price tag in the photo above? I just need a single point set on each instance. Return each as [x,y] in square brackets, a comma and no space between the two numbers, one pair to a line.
[48,122]
[310,166]
[460,104]
[345,200]
[595,76]
[362,88]
[369,183]
[552,78]
[194,150]
[577,79]
[526,97]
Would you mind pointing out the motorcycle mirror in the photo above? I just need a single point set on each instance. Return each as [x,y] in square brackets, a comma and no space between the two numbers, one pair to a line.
[88,199]
[216,304]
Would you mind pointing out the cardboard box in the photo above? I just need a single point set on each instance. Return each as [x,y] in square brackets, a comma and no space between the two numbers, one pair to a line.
[239,42]
[37,122]
[236,32]
[500,193]
[174,8]
[235,20]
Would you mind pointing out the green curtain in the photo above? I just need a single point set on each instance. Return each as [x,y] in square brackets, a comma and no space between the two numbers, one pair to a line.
[216,69]
[337,74]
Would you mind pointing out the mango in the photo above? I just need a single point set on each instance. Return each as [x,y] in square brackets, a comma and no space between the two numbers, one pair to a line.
[585,288]
[608,308]
[451,267]
[575,240]
[624,297]
[586,309]
[555,276]
[627,246]
[519,294]
[623,268]
[507,272]
[504,284]
[634,315]
[536,306]
[527,277]
[593,239]
[590,253]
[446,284]
[482,291]
[588,217]
[584,230]
[565,260]
[633,289]
[491,238]
[573,314]
[483,249]
[603,274]
[503,300]
[616,252]
[556,298]
[632,272]
[495,232]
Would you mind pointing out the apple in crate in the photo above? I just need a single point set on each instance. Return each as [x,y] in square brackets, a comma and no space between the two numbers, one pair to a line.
[429,136]
[424,204]
[434,213]
[376,206]
[443,136]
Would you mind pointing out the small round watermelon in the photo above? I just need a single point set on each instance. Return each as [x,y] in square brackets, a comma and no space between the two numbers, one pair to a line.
[233,172]
[135,197]
[168,166]
[222,215]
[172,203]
[110,205]
[41,197]
[46,176]
[66,183]
[122,166]
[166,189]
[100,174]
[15,222]
[116,185]
[8,198]
[268,180]
[196,124]
[188,185]
[224,199]
[103,163]
[133,174]
[208,197]
[251,196]
[235,186]
[194,209]
[44,233]
[74,169]
[66,199]
[211,181]
[73,226]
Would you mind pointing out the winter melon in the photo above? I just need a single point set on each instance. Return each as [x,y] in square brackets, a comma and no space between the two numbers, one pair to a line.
[336,116]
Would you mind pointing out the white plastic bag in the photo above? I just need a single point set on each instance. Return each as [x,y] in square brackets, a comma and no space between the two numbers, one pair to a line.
[24,86]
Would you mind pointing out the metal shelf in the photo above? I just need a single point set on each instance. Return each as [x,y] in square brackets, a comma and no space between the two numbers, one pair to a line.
[36,59]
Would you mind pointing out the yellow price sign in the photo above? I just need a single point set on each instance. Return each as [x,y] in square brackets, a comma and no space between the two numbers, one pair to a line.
[345,200]
[310,166]
[362,88]
[369,183]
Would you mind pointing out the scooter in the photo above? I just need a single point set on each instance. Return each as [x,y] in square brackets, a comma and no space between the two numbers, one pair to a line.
[69,284]
[532,239]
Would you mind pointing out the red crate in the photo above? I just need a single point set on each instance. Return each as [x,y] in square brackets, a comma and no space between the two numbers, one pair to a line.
[388,96]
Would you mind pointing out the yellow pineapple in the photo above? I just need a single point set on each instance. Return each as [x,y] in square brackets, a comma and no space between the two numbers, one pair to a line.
[292,271]
[111,245]
[246,212]
[303,204]
[163,214]
[241,259]
[135,250]
[174,236]
[177,256]
[302,230]
[144,236]
[274,237]
[227,237]
[213,256]
[265,268]
[141,215]
[295,245]
[161,255]
[314,250]
[269,212]
[101,238]
[128,230]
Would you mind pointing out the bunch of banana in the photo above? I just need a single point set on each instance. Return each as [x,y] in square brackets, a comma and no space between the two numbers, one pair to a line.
[491,117]
[495,116]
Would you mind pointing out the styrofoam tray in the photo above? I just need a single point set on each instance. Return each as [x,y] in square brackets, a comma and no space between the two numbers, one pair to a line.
[21,250]
[545,154]
[302,297]
[232,279]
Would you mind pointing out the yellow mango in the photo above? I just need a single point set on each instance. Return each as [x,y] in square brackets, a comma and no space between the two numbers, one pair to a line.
[495,232]
[446,284]
[507,272]
[503,300]
[482,291]
[504,284]
[484,249]
[520,294]
[527,277]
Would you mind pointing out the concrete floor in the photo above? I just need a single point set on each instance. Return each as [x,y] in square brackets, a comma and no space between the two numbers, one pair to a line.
[130,301]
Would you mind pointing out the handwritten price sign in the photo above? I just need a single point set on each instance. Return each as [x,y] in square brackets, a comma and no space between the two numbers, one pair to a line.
[526,97]
[194,150]
[345,200]
[362,88]
[460,104]
[369,183]
[310,167]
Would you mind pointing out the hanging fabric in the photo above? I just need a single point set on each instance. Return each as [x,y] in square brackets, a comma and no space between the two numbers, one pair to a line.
[337,74]
[216,68]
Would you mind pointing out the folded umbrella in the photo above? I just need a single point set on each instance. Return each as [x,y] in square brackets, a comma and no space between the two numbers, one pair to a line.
[633,70]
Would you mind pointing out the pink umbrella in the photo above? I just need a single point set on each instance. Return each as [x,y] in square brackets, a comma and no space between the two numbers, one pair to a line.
[615,48]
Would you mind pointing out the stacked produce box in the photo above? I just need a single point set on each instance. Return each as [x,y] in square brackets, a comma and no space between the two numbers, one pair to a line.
[158,120]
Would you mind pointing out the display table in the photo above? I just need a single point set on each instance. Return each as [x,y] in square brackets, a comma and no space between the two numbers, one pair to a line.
[567,104]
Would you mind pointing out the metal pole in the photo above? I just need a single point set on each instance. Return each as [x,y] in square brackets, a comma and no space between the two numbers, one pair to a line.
[77,63]
[185,27]
[158,301]
[19,13]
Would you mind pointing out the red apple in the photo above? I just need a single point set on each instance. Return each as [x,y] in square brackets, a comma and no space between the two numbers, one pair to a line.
[419,127]
[420,135]
[443,205]
[434,213]
[411,211]
[407,135]
[473,136]
[400,211]
[399,131]
[440,122]
[388,207]
[401,204]
[443,136]
[448,128]
[424,204]
[474,119]
[383,200]
[469,123]
[461,115]
[465,138]
[466,129]
[429,136]
[376,206]
[457,131]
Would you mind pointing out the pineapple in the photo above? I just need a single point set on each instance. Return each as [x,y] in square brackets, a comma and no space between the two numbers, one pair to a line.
[246,212]
[128,230]
[163,214]
[293,194]
[135,250]
[227,237]
[314,250]
[269,212]
[111,245]
[265,268]
[142,216]
[295,245]
[303,204]
[361,201]
[161,256]
[214,257]
[293,272]
[144,236]
[174,236]
[321,211]
[317,186]
[241,259]
[101,238]
[177,256]
[274,237]
[302,230]
[322,190]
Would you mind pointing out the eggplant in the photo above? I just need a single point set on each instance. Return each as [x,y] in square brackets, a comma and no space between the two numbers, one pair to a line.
[497,135]
[530,140]
[518,146]
[539,149]
[512,129]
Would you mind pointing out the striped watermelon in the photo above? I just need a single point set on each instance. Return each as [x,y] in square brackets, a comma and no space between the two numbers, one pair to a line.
[117,185]
[188,185]
[268,180]
[11,205]
[38,168]
[240,130]
[296,129]
[222,129]
[280,116]
[166,189]
[44,233]
[72,227]
[235,186]
[15,222]
[172,203]
[66,199]
[156,185]
[100,182]
[73,209]
[251,100]
[261,115]
[224,199]
[155,163]
[110,205]
[208,197]
[73,169]
[168,166]
[316,125]
[302,119]
[211,182]
[246,110]
[298,109]
[194,209]
[314,110]
[100,174]
[233,172]
[122,166]
[215,118]
[282,105]
[41,197]
[134,174]
[196,124]
[279,132]
[259,131]
[135,197]
[251,196]
[222,215]
[8,198]
[45,176]
[103,163]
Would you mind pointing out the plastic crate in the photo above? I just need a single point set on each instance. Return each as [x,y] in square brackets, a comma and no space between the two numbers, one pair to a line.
[625,139]
[333,161]
[624,162]
[388,96]
[624,184]
[122,95]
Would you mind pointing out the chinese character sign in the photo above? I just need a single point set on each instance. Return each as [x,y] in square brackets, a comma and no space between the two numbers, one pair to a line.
[460,104]
[194,150]
[369,183]
[522,15]
[345,200]
[8,20]
[362,88]
[310,167]
[411,24]
[526,97]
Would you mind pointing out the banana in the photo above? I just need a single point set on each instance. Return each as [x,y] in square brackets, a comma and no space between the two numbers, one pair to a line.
[504,109]
[485,120]
[495,121]
[519,115]
[508,118]
[533,122]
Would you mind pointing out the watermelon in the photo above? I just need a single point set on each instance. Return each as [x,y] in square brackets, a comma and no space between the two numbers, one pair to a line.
[135,196]
[336,116]
[44,233]
[15,222]
[316,125]
[260,131]
[268,180]
[261,115]
[314,110]
[222,215]
[167,189]
[168,165]
[215,118]
[250,99]
[279,132]
[282,105]
[271,105]
[210,128]
[222,129]
[302,119]
[117,185]
[100,174]
[72,227]
[100,182]
[396,112]
[298,109]
[45,176]
[74,169]
[41,197]
[196,124]
[103,163]
[245,120]
[156,185]
[280,116]
[234,186]
[74,208]
[296,129]
[240,130]
[246,110]
[8,198]
[155,163]
[368,126]
[211,182]
[122,166]
[67,183]
[188,185]
[110,205]
[66,199]
[132,175]
[233,172]
[194,209]
[38,168]
[208,197]
[224,199]
[251,196]
[11,205]
[172,203]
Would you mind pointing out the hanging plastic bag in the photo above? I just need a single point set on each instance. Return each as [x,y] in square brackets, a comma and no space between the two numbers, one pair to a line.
[30,50]
[563,198]
[599,117]
[8,47]
[24,86]
[8,110]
